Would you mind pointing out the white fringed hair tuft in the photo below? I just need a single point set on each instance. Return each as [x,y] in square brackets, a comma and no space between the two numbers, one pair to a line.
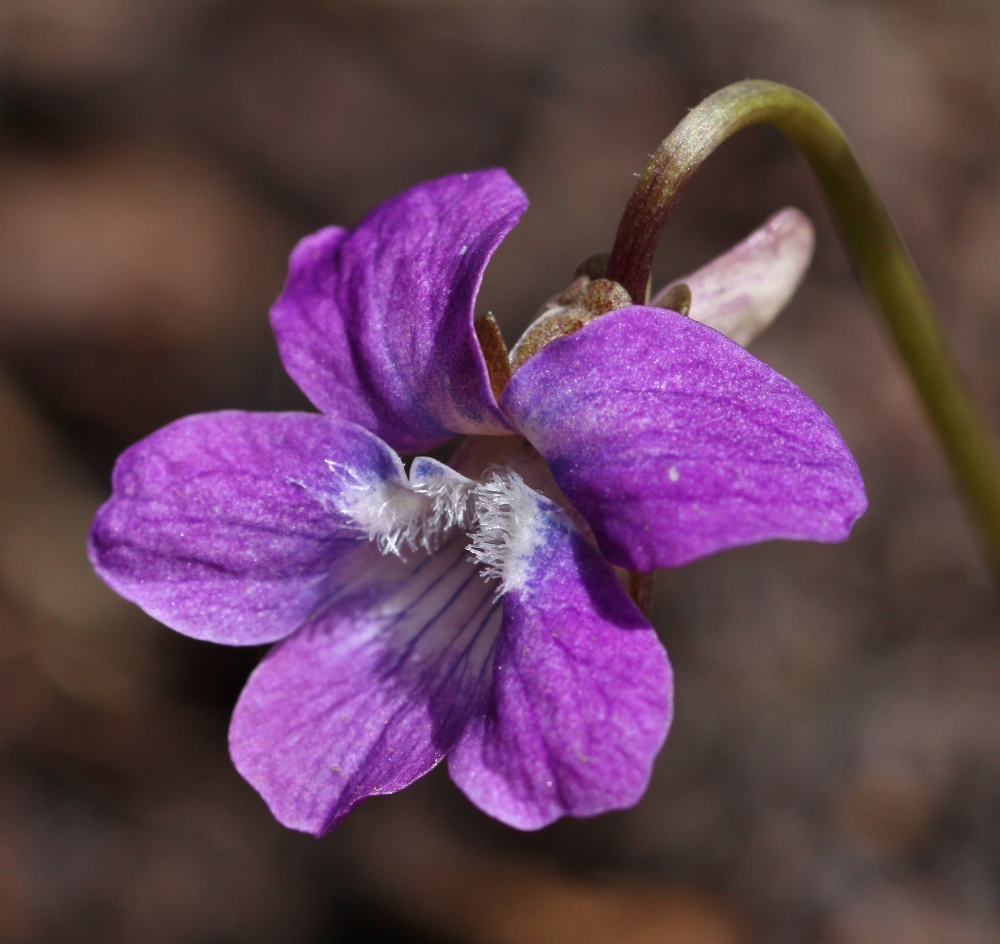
[507,533]
[500,515]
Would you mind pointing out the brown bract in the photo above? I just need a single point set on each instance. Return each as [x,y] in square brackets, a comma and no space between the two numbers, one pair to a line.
[584,300]
[676,298]
[494,352]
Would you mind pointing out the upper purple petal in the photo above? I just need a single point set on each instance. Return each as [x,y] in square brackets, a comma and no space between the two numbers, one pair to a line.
[375,324]
[224,526]
[674,443]
[582,692]
[372,692]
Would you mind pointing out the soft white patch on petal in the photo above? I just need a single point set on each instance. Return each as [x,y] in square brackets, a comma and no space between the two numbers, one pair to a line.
[450,494]
[742,291]
[398,514]
[509,528]
[388,512]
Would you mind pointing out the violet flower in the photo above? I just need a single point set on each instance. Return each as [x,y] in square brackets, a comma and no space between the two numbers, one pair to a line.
[470,612]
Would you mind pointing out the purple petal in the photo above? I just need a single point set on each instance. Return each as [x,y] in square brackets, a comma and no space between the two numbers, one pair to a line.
[370,694]
[376,324]
[674,443]
[224,526]
[742,291]
[582,692]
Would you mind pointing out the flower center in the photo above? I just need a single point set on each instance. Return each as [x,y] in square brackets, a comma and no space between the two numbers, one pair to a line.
[499,513]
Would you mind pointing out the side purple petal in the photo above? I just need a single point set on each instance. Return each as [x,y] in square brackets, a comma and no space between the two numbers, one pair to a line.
[371,693]
[225,526]
[375,324]
[675,443]
[582,692]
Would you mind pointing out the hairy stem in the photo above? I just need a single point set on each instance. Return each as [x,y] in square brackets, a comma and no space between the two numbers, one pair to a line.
[872,243]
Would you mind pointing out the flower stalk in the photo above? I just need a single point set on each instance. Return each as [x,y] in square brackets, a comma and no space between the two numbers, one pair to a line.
[872,242]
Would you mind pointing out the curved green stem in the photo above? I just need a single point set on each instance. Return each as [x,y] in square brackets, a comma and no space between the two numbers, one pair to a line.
[872,242]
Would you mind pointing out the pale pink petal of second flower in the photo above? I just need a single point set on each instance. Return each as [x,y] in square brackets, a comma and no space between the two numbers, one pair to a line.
[742,291]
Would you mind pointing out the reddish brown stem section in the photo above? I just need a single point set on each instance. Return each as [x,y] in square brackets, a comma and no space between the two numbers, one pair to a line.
[640,589]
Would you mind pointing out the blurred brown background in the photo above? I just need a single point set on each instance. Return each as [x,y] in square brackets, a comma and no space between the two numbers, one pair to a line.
[833,774]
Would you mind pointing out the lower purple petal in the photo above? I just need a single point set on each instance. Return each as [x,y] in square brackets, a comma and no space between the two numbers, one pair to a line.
[370,694]
[581,698]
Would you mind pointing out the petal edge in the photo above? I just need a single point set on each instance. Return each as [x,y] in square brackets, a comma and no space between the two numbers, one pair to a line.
[375,324]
